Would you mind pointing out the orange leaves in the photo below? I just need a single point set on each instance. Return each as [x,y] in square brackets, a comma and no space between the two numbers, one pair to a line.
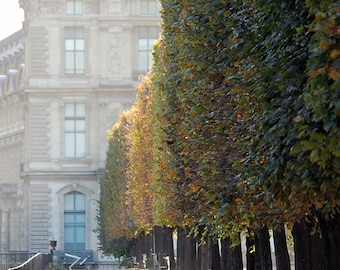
[195,188]
[313,73]
[323,44]
[334,73]
[335,53]
[319,205]
[238,201]
[140,154]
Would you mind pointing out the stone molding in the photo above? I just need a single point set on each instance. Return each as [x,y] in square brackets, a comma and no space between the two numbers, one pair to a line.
[48,8]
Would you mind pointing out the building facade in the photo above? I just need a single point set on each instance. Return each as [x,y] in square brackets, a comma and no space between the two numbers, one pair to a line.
[64,78]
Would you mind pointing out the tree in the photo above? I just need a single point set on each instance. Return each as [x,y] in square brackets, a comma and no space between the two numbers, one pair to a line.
[115,220]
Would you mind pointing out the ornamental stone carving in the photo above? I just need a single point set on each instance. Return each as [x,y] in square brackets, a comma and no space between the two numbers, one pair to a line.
[92,7]
[115,62]
[36,8]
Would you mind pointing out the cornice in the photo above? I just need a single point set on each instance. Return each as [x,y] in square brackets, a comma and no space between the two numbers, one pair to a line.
[54,8]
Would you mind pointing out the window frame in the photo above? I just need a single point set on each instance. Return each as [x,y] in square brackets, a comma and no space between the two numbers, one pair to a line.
[148,7]
[74,48]
[74,8]
[143,67]
[75,119]
[75,225]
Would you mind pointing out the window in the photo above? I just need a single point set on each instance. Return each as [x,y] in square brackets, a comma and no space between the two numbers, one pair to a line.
[74,221]
[74,130]
[74,51]
[148,7]
[146,38]
[74,8]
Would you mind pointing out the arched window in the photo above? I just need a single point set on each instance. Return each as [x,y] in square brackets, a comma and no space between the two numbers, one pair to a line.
[74,221]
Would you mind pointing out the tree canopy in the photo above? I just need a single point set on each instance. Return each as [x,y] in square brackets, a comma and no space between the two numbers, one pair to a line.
[236,126]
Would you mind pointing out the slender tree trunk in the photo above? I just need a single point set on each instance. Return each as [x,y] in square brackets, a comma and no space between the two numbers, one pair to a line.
[133,249]
[215,256]
[335,235]
[170,247]
[263,249]
[227,262]
[237,256]
[160,244]
[180,249]
[192,256]
[186,250]
[204,262]
[281,250]
[330,230]
[141,243]
[301,248]
[230,259]
[250,244]
[258,263]
[199,257]
[316,251]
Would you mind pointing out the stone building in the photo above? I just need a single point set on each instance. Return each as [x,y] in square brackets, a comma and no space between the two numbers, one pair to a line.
[64,78]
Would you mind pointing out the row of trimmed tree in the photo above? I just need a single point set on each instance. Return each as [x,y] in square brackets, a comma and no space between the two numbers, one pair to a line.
[235,130]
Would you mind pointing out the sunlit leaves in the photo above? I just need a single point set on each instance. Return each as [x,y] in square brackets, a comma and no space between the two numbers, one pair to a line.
[238,123]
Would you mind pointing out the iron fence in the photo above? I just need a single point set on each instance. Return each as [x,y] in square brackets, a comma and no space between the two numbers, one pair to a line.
[39,261]
[11,259]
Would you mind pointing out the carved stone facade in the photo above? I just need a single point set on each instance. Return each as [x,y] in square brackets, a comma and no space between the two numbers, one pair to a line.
[64,78]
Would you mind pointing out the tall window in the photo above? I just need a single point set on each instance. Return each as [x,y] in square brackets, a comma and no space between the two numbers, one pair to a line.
[146,38]
[74,8]
[74,221]
[148,7]
[75,130]
[74,51]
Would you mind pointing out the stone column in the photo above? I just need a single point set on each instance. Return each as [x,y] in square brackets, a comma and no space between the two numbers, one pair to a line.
[5,230]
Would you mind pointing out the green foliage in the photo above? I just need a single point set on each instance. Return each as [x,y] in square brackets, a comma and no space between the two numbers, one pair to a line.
[280,57]
[51,266]
[236,126]
[127,263]
[319,130]
[150,263]
[114,217]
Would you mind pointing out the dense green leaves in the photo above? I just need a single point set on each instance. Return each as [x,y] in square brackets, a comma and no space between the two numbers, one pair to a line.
[237,125]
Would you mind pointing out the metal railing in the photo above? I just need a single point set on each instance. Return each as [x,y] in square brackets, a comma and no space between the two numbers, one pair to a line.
[39,261]
[73,259]
[11,259]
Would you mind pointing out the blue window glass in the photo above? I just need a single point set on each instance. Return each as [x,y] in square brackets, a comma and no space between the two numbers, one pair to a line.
[75,130]
[74,51]
[147,35]
[74,221]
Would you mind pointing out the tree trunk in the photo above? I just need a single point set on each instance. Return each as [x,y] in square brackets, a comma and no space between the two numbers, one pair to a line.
[186,250]
[215,256]
[226,261]
[229,255]
[250,244]
[141,248]
[159,242]
[237,256]
[203,259]
[281,251]
[263,249]
[301,249]
[316,251]
[330,230]
[180,249]
[170,247]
